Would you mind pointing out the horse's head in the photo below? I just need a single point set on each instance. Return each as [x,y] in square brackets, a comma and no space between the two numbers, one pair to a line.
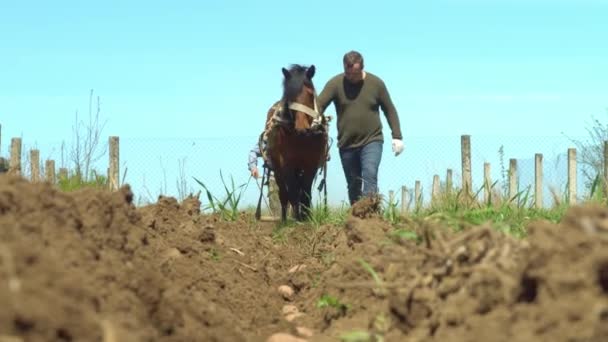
[299,96]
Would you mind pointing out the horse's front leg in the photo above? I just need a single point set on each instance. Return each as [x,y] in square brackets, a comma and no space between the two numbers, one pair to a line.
[283,194]
[306,193]
[293,193]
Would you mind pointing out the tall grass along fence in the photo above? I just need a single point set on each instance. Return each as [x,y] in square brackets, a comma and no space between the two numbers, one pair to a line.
[491,195]
[48,172]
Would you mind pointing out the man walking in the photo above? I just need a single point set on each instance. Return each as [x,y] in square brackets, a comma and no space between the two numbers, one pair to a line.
[357,96]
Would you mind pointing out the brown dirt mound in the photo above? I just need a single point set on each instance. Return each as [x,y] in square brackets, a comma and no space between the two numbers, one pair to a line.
[367,207]
[89,266]
[478,285]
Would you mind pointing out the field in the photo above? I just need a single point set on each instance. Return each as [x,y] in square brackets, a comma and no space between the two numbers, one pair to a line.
[90,266]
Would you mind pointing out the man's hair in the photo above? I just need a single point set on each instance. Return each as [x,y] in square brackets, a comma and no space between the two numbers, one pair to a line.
[352,57]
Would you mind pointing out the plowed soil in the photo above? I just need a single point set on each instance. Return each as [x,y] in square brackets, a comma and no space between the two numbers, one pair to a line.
[90,266]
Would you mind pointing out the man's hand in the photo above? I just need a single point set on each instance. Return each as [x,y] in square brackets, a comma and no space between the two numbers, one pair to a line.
[255,173]
[397,146]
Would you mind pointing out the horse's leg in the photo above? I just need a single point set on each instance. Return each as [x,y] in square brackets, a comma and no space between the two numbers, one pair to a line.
[306,192]
[300,192]
[293,193]
[281,184]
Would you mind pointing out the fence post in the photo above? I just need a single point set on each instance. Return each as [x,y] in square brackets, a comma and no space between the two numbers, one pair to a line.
[605,187]
[435,193]
[512,178]
[571,176]
[487,183]
[3,162]
[113,177]
[404,200]
[417,195]
[465,146]
[538,180]
[14,167]
[49,171]
[35,165]
[448,181]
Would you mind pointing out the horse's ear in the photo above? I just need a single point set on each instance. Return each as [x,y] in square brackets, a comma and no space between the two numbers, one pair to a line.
[310,72]
[286,73]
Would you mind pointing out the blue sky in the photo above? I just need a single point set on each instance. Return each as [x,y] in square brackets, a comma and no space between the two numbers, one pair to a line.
[176,78]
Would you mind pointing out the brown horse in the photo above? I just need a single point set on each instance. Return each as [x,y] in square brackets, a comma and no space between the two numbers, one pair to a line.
[296,136]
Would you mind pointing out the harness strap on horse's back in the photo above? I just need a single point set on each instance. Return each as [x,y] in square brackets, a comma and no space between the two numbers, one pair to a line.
[275,119]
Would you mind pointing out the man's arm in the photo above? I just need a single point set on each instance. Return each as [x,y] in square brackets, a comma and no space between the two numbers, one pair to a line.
[390,112]
[326,96]
[254,153]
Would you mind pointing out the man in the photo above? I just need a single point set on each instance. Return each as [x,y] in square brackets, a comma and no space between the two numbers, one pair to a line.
[357,96]
[252,164]
[273,192]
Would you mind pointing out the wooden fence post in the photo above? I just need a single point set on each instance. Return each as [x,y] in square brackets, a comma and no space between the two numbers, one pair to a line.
[571,176]
[538,180]
[605,187]
[14,167]
[113,177]
[512,178]
[448,181]
[3,162]
[435,191]
[404,200]
[49,171]
[487,183]
[465,146]
[35,165]
[417,195]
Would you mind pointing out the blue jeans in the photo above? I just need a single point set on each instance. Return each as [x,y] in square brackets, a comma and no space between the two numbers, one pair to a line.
[360,166]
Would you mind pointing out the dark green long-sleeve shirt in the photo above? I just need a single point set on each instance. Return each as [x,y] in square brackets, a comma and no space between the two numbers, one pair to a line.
[357,109]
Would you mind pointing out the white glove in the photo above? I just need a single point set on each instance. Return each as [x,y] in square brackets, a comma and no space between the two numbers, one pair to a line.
[397,146]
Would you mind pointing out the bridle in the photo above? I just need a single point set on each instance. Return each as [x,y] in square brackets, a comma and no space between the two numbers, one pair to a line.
[318,118]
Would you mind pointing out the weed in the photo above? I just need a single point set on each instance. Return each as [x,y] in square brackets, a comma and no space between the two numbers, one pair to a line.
[228,208]
[332,302]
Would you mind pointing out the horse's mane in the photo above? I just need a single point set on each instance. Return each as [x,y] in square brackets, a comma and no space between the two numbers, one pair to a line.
[293,86]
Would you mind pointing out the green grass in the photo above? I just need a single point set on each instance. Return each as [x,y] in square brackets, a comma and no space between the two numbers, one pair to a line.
[510,215]
[228,207]
[332,302]
[320,214]
[455,209]
[75,182]
[509,220]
